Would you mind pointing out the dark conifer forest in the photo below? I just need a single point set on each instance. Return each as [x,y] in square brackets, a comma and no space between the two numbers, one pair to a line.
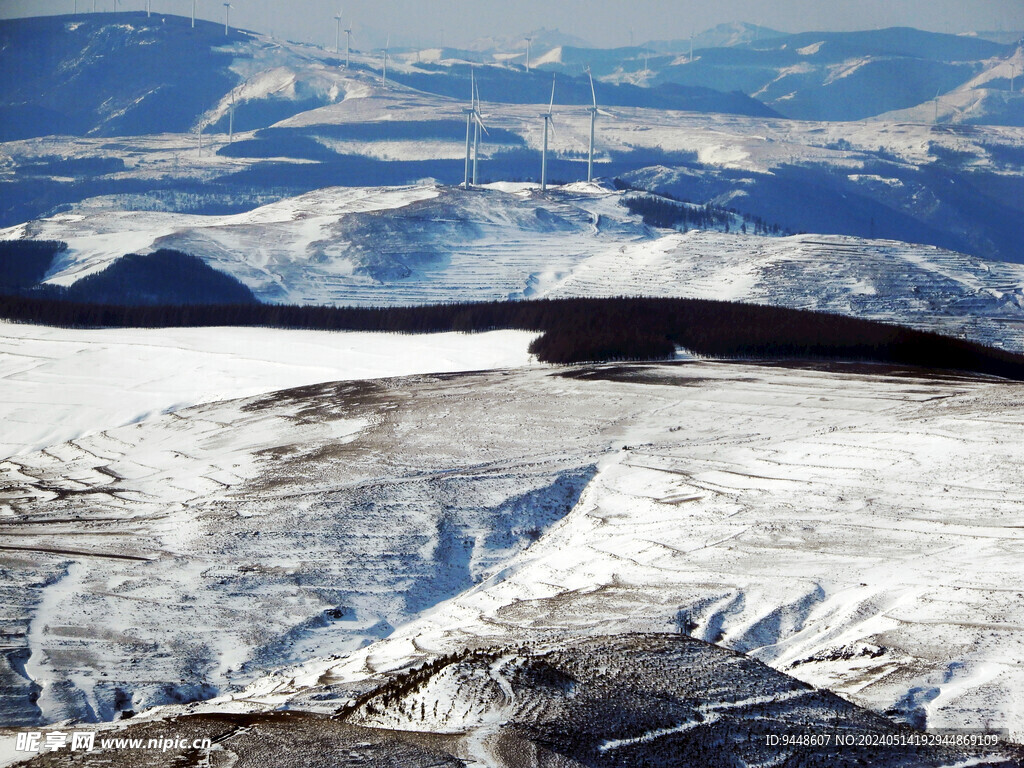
[577,330]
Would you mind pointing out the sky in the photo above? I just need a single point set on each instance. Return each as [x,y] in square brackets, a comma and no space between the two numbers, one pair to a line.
[606,23]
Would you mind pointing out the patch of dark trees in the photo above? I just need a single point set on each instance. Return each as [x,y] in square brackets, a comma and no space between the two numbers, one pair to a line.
[164,277]
[579,330]
[23,263]
[666,212]
[52,165]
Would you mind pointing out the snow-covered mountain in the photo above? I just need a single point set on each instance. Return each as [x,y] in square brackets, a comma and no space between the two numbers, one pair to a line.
[541,39]
[841,75]
[993,97]
[727,35]
[134,75]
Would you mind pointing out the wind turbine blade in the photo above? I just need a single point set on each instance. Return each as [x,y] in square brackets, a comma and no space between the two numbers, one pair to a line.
[593,93]
[480,122]
[551,106]
[606,114]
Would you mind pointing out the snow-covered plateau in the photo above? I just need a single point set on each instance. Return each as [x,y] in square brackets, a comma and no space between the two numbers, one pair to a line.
[855,528]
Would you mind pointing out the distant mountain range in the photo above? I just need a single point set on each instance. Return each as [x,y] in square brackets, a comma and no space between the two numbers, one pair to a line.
[842,75]
[127,74]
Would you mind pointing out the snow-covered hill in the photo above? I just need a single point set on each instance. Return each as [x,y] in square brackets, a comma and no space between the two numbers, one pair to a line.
[430,243]
[856,529]
[637,699]
[957,187]
[922,286]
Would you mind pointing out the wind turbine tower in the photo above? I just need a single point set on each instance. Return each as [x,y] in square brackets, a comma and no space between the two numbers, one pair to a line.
[528,41]
[227,16]
[193,13]
[474,124]
[480,127]
[468,112]
[593,121]
[549,122]
[348,44]
[337,34]
[384,71]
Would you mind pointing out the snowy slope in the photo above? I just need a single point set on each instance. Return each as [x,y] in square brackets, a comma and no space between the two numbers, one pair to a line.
[922,286]
[172,559]
[364,245]
[426,244]
[858,530]
[58,385]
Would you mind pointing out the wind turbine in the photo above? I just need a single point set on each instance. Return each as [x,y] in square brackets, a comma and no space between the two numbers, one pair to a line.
[937,106]
[193,13]
[528,41]
[384,72]
[691,48]
[149,8]
[478,119]
[348,44]
[473,120]
[337,34]
[227,16]
[549,121]
[594,111]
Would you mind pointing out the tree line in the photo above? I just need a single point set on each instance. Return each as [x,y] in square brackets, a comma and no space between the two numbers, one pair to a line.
[577,330]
